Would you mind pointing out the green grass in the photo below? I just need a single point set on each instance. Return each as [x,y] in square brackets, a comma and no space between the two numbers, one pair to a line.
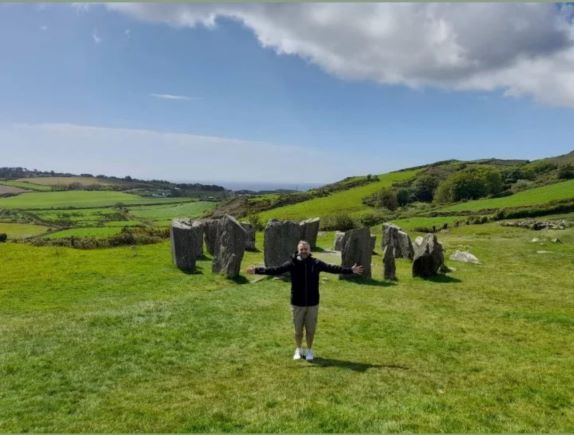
[348,201]
[78,199]
[409,224]
[118,340]
[97,232]
[26,185]
[164,213]
[20,231]
[539,195]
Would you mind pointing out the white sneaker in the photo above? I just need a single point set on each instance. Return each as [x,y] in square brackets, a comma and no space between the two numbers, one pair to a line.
[309,356]
[297,354]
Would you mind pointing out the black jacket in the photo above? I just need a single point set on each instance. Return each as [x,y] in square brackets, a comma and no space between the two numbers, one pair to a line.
[304,277]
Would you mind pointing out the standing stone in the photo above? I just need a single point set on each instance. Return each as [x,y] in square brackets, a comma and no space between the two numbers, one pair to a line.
[373,243]
[309,231]
[338,240]
[280,241]
[356,248]
[250,231]
[229,247]
[183,244]
[429,258]
[210,234]
[197,227]
[390,268]
[403,247]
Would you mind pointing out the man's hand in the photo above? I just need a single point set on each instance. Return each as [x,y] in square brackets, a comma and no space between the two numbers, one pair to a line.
[357,269]
[251,270]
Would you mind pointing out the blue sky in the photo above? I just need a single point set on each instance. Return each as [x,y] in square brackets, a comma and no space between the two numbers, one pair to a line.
[155,93]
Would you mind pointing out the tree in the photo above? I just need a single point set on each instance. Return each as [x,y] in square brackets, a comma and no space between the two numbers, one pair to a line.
[566,172]
[424,188]
[471,183]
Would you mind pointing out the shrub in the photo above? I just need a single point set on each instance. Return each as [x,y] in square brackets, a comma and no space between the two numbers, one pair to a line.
[472,183]
[566,172]
[340,222]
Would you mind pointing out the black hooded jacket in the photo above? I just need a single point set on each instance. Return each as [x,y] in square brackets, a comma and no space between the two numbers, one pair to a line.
[304,277]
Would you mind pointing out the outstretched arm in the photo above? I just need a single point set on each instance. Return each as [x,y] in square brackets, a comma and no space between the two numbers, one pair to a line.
[285,267]
[342,270]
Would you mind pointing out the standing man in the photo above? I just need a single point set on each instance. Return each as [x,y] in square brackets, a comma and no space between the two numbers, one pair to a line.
[305,269]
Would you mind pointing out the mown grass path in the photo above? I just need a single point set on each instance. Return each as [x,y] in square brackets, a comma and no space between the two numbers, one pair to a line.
[118,340]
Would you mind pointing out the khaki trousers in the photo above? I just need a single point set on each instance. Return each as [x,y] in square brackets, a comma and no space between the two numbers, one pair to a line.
[305,316]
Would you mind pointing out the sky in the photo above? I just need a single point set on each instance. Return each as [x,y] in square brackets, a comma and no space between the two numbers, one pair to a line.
[291,94]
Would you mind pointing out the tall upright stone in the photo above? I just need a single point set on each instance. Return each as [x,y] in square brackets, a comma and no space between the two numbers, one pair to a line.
[183,244]
[389,266]
[309,231]
[403,247]
[229,247]
[198,228]
[373,243]
[356,248]
[280,241]
[210,234]
[429,258]
[337,246]
[250,230]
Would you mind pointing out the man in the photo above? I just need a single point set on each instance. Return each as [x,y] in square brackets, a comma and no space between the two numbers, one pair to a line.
[305,269]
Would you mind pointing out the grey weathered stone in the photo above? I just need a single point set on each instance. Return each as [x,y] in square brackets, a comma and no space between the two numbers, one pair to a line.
[229,247]
[403,247]
[356,248]
[390,268]
[429,258]
[280,241]
[464,257]
[250,231]
[309,231]
[198,228]
[183,244]
[338,240]
[210,234]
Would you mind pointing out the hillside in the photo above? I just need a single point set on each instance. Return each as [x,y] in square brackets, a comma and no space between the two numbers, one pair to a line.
[424,191]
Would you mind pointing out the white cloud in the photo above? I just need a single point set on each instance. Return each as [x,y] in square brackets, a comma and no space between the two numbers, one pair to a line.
[96,37]
[173,156]
[172,97]
[521,49]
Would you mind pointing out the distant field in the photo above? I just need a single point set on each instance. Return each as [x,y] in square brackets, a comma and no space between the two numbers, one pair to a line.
[164,213]
[11,190]
[27,186]
[20,231]
[79,199]
[538,195]
[409,224]
[348,201]
[53,181]
[85,232]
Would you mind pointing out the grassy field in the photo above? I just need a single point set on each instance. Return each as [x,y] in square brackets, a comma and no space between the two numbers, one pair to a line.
[54,181]
[26,185]
[119,340]
[97,232]
[539,195]
[79,199]
[163,214]
[20,231]
[348,201]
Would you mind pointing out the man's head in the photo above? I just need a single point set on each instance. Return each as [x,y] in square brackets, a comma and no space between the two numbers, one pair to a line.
[303,249]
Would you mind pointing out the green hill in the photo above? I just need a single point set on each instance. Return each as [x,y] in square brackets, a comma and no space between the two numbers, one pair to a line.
[535,196]
[345,201]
